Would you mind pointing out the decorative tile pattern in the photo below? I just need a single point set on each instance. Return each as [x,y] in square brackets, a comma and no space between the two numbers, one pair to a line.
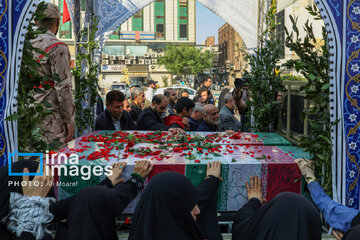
[351,103]
[4,65]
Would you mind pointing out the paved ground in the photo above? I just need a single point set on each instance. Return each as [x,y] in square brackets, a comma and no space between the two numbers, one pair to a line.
[124,236]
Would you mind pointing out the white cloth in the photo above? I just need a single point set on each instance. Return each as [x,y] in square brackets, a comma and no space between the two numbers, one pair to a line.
[149,94]
[242,15]
[28,214]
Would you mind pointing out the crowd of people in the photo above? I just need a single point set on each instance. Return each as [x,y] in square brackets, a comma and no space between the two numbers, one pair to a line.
[172,111]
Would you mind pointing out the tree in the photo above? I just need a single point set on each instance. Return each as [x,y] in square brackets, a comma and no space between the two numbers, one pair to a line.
[264,78]
[185,60]
[313,63]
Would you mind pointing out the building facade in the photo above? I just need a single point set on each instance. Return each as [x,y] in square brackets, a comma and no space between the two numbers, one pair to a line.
[231,58]
[209,45]
[210,41]
[297,9]
[132,50]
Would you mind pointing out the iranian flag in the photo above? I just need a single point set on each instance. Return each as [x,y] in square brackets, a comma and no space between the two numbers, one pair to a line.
[66,15]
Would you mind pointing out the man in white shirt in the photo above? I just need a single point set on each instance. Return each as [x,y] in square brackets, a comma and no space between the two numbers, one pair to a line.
[150,91]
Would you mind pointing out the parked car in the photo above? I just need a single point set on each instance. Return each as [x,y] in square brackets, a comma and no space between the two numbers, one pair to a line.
[192,92]
[123,87]
[119,86]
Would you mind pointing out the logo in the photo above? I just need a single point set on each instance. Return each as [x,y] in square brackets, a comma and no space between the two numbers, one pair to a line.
[16,153]
[62,165]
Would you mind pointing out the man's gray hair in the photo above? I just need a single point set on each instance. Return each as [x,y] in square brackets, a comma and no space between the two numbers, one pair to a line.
[135,92]
[207,108]
[228,97]
[199,108]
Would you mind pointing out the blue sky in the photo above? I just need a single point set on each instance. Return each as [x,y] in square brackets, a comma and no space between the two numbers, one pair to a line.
[207,23]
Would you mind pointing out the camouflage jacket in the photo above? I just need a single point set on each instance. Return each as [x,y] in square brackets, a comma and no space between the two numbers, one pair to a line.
[61,96]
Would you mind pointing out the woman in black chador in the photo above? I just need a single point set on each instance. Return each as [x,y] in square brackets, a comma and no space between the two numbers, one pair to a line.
[172,208]
[287,216]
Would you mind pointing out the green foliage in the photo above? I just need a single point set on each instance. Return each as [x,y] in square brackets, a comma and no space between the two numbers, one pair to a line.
[165,80]
[86,80]
[185,60]
[29,113]
[313,64]
[289,77]
[264,78]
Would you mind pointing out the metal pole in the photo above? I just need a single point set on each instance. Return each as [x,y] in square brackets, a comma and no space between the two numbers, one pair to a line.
[258,25]
[306,124]
[76,28]
[288,111]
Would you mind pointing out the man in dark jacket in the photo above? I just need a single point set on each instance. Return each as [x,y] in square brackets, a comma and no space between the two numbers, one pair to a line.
[183,108]
[172,97]
[150,118]
[227,117]
[211,119]
[114,117]
[196,116]
[137,100]
[241,96]
[207,84]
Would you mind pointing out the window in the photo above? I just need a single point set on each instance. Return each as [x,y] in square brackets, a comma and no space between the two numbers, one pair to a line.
[65,30]
[137,21]
[159,11]
[183,19]
[115,50]
[160,31]
[183,31]
[136,50]
[280,33]
[116,34]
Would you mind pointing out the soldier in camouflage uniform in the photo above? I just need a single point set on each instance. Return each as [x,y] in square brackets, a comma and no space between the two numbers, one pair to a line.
[60,124]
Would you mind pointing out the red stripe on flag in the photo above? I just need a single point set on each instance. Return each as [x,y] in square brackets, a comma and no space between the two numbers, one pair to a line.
[159,168]
[281,178]
[66,15]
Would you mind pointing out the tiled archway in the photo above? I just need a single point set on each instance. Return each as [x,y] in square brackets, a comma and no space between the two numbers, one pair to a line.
[342,21]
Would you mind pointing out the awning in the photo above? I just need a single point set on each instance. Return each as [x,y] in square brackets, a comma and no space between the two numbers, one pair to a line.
[138,75]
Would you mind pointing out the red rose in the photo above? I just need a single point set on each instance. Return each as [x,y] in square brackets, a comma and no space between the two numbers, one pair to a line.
[54,153]
[127,220]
